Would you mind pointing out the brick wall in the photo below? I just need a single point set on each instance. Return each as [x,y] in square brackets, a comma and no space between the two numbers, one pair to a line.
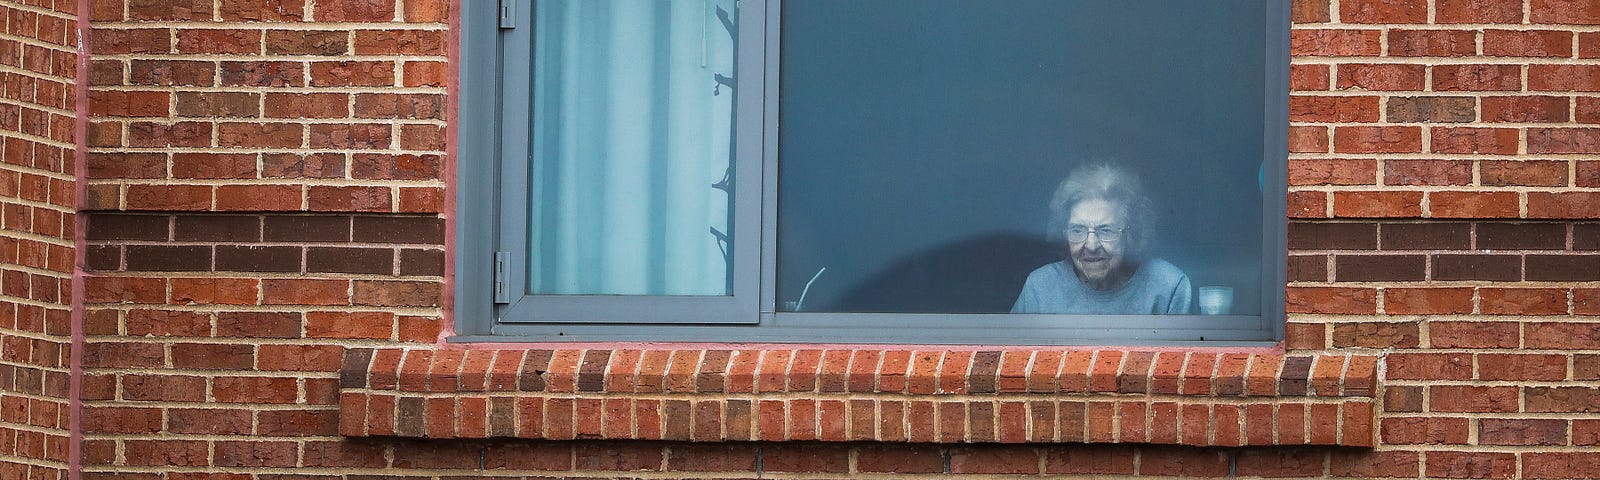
[268,180]
[38,72]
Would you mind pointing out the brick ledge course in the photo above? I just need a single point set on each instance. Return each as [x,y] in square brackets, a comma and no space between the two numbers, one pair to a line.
[843,394]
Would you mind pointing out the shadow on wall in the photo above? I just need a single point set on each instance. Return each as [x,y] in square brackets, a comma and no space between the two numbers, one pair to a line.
[982,274]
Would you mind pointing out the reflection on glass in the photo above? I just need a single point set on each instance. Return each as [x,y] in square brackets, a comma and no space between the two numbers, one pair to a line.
[632,141]
[1105,221]
[921,142]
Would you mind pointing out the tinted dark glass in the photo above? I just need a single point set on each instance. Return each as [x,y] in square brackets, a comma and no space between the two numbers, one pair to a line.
[921,142]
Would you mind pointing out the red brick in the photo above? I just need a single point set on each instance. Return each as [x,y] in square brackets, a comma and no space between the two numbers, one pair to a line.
[1430,366]
[1456,398]
[1425,301]
[399,42]
[253,390]
[421,200]
[891,458]
[349,199]
[166,453]
[1335,43]
[1470,464]
[994,460]
[425,11]
[1562,78]
[1560,464]
[162,388]
[1308,204]
[213,356]
[1496,141]
[263,74]
[1333,109]
[1303,139]
[1564,205]
[1473,204]
[218,41]
[424,74]
[1384,11]
[305,292]
[260,135]
[1562,399]
[1423,430]
[1478,11]
[261,10]
[258,324]
[1308,78]
[1535,173]
[173,10]
[354,11]
[1381,77]
[1280,463]
[1305,336]
[1371,464]
[1533,109]
[1522,301]
[213,166]
[1527,43]
[1391,139]
[209,421]
[1473,334]
[1562,335]
[1427,172]
[129,103]
[165,323]
[307,105]
[1586,301]
[303,358]
[1563,12]
[258,198]
[353,74]
[1585,432]
[1433,43]
[1477,78]
[1376,334]
[1516,367]
[1371,204]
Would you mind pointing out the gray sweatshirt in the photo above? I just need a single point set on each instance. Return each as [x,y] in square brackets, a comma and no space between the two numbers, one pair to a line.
[1157,287]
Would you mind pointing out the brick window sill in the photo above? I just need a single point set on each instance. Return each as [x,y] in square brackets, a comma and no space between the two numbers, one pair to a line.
[782,394]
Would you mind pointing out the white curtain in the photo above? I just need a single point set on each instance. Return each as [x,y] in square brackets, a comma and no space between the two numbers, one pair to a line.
[631,132]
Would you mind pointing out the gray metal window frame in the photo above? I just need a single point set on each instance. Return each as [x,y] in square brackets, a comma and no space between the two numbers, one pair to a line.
[487,222]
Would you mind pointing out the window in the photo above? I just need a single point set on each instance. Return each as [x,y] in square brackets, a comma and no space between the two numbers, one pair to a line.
[894,171]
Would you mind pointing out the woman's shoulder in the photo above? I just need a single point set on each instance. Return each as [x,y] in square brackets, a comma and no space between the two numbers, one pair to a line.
[1052,272]
[1163,271]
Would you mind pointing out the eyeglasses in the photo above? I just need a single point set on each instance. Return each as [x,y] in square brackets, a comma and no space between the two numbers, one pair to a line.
[1106,233]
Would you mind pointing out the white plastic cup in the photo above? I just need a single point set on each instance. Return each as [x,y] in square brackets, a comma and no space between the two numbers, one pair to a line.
[1216,300]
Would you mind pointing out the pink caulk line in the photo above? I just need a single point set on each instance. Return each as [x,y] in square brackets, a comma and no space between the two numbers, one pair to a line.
[80,176]
[447,319]
[1276,349]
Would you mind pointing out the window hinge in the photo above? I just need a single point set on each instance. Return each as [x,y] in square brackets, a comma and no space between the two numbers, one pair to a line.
[508,13]
[500,292]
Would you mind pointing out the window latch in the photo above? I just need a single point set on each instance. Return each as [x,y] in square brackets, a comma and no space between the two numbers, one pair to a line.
[501,295]
[508,14]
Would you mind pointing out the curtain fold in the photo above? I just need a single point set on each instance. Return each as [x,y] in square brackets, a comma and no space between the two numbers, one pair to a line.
[631,134]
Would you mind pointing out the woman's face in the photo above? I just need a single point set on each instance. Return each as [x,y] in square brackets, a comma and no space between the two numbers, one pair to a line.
[1095,258]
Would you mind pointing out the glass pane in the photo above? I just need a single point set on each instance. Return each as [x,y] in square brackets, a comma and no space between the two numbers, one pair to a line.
[633,147]
[923,143]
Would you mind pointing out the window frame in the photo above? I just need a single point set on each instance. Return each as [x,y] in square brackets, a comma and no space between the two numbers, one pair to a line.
[753,318]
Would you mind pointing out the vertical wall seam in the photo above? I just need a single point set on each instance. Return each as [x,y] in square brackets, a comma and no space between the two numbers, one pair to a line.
[80,131]
[452,92]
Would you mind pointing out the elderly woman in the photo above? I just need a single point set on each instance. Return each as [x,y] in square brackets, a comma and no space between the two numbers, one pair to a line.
[1106,222]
